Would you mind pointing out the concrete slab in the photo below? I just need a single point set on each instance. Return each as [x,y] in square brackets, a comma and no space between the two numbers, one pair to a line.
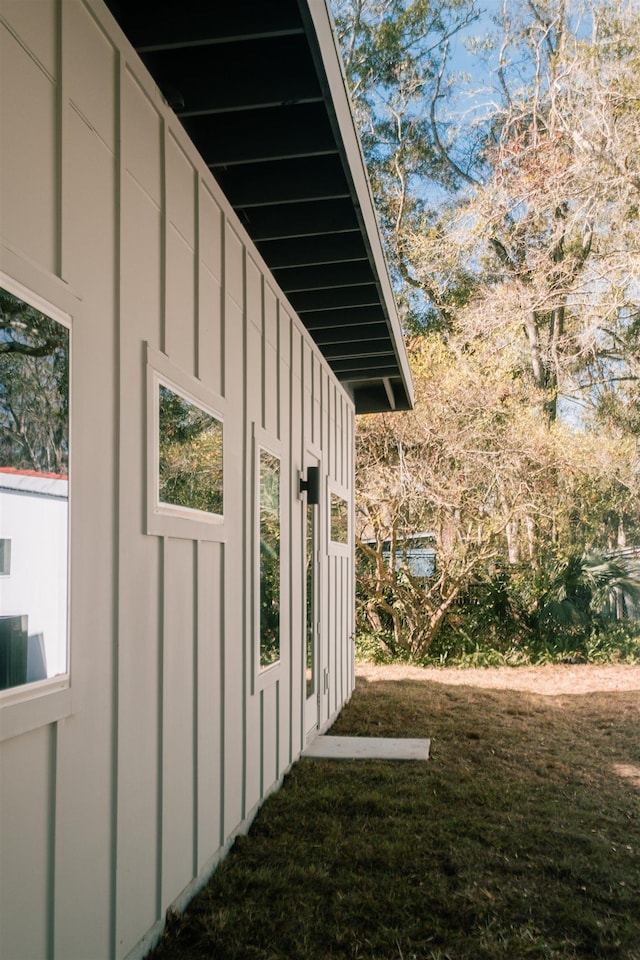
[367,748]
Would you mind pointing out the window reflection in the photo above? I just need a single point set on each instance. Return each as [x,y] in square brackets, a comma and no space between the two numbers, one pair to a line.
[34,492]
[310,601]
[269,559]
[339,519]
[190,461]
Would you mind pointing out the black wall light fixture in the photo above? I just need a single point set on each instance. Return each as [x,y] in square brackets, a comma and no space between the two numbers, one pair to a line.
[311,485]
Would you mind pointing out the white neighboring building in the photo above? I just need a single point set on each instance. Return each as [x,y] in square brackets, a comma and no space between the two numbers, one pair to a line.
[34,520]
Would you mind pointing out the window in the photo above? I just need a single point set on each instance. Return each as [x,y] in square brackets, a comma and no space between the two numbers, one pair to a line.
[189,455]
[185,453]
[339,519]
[310,595]
[269,585]
[34,492]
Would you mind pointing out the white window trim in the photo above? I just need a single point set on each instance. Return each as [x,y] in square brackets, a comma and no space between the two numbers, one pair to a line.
[164,519]
[33,705]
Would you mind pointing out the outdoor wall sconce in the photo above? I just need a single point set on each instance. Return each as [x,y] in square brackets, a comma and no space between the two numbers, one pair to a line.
[311,485]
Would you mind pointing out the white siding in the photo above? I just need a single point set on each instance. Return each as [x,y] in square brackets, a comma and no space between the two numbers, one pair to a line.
[111,813]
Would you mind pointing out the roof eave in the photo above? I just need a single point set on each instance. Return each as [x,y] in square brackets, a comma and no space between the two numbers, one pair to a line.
[329,64]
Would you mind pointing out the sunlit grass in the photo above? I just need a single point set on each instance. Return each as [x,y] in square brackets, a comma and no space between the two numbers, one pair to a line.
[520,838]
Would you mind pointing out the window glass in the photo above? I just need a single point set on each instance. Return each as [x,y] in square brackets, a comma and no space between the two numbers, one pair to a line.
[190,460]
[310,600]
[269,559]
[34,493]
[339,519]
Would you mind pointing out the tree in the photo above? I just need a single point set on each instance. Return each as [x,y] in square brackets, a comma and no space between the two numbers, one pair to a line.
[394,52]
[523,206]
[512,229]
[34,388]
[495,490]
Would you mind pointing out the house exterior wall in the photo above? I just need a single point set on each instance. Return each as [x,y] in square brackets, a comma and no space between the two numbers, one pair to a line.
[123,784]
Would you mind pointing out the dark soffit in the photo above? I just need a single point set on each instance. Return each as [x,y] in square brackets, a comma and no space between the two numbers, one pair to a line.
[258,86]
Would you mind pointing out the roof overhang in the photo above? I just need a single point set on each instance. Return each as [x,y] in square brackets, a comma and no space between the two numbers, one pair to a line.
[260,90]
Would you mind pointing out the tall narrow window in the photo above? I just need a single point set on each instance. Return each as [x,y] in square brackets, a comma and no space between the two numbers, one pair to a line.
[34,492]
[269,559]
[310,601]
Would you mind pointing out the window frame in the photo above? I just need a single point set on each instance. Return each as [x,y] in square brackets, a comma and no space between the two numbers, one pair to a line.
[39,703]
[335,547]
[166,519]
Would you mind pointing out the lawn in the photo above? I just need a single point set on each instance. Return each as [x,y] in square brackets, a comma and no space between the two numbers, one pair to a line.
[519,838]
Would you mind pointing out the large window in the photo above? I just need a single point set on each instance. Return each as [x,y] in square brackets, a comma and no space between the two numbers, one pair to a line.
[269,497]
[34,492]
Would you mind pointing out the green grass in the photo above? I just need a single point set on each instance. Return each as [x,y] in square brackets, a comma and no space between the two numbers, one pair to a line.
[518,839]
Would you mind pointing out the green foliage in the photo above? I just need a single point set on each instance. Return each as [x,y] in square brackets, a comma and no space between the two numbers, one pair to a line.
[521,456]
[553,613]
[511,503]
[190,454]
[508,191]
[269,559]
[34,389]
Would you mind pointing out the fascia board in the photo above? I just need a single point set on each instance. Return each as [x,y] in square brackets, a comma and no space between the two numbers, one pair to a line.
[317,11]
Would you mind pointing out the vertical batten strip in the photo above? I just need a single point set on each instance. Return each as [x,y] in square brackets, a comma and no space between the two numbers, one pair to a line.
[51,856]
[343,444]
[164,227]
[197,269]
[261,744]
[263,358]
[196,700]
[248,535]
[223,634]
[54,785]
[278,377]
[117,257]
[60,137]
[277,731]
[224,557]
[160,709]
[294,508]
[352,573]
[344,644]
[223,307]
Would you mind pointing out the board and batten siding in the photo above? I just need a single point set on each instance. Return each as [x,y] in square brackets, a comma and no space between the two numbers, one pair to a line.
[119,794]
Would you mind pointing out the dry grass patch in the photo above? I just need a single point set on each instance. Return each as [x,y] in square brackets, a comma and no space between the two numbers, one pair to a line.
[519,838]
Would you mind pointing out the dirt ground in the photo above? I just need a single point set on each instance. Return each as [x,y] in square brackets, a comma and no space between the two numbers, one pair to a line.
[549,680]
